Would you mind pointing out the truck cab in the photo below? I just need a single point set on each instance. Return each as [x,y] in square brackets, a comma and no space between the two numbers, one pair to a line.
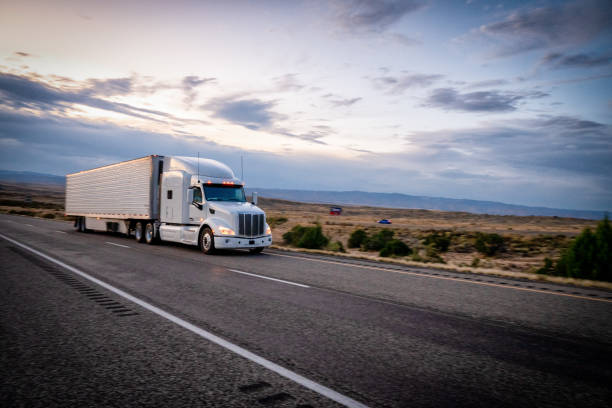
[203,203]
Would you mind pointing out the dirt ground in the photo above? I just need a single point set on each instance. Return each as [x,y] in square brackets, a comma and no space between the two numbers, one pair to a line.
[527,240]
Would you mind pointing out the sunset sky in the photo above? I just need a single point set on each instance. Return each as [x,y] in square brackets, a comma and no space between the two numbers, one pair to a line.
[502,101]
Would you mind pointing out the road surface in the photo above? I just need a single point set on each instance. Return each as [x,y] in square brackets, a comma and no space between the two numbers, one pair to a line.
[91,319]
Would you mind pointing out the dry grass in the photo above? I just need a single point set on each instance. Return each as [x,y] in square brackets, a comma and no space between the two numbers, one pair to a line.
[527,240]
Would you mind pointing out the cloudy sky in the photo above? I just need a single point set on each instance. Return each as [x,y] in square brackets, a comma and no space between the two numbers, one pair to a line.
[489,100]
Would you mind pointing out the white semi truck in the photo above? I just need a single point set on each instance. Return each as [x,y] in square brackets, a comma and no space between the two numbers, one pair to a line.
[169,198]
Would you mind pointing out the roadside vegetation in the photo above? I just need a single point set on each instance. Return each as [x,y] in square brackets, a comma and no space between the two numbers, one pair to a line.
[589,256]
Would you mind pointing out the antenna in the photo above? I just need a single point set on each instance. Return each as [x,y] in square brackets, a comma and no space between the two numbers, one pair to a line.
[198,167]
[241,170]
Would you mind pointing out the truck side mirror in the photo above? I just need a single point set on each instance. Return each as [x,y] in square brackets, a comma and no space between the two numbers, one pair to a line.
[254,198]
[191,199]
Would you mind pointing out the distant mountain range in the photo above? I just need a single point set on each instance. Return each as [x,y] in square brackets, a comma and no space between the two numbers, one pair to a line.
[397,200]
[389,200]
[31,177]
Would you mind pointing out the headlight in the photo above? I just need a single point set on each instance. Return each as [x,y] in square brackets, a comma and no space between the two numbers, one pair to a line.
[268,230]
[226,231]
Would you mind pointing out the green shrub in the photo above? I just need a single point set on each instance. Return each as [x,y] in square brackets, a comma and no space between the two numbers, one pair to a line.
[357,238]
[489,244]
[306,237]
[439,240]
[313,238]
[548,268]
[275,221]
[336,246]
[395,247]
[294,235]
[48,215]
[378,241]
[589,256]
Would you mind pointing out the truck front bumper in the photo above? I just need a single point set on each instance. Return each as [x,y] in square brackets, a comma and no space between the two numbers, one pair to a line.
[225,242]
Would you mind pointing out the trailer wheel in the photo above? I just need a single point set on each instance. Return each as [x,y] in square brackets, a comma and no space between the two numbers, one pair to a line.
[207,241]
[138,232]
[149,234]
[256,250]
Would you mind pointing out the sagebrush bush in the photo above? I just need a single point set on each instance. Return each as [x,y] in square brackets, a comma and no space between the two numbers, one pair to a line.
[357,238]
[589,256]
[336,246]
[395,247]
[439,240]
[489,244]
[306,237]
[378,241]
[275,221]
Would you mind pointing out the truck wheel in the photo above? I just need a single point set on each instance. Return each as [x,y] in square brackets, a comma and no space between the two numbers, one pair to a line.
[207,241]
[138,232]
[256,250]
[149,234]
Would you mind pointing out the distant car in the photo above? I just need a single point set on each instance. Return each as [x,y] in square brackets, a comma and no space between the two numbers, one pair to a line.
[384,221]
[335,211]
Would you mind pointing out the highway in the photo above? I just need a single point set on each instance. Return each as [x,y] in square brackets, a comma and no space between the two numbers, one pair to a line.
[91,319]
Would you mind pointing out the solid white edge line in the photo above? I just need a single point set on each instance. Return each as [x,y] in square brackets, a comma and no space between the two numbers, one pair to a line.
[295,377]
[267,277]
[119,245]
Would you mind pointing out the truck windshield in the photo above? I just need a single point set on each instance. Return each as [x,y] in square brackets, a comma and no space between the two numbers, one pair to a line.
[217,192]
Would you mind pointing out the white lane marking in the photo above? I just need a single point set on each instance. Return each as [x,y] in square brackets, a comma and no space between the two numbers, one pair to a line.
[424,275]
[29,225]
[61,232]
[266,277]
[119,245]
[295,377]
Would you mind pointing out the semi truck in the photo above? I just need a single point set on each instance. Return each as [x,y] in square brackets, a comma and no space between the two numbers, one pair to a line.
[189,200]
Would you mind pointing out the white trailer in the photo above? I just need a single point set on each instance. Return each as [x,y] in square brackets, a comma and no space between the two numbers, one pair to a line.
[169,198]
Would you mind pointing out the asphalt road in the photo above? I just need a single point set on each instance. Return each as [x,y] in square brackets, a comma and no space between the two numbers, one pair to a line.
[375,334]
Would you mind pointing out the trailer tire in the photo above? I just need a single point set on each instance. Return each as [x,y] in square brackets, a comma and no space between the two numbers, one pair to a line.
[139,232]
[256,250]
[149,234]
[207,241]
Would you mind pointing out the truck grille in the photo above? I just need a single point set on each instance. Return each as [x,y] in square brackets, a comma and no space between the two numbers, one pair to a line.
[250,225]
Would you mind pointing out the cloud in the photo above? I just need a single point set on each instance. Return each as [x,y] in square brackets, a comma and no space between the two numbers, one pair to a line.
[189,85]
[345,102]
[22,54]
[109,87]
[24,92]
[373,15]
[398,84]
[558,60]
[405,40]
[192,81]
[548,27]
[488,83]
[287,82]
[482,101]
[253,114]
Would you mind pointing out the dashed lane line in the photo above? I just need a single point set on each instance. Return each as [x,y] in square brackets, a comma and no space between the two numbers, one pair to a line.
[269,278]
[424,275]
[293,376]
[119,245]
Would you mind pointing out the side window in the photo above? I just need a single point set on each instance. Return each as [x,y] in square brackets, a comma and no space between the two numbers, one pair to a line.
[197,195]
[169,196]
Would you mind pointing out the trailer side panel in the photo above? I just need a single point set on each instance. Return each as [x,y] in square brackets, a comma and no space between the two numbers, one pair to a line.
[126,190]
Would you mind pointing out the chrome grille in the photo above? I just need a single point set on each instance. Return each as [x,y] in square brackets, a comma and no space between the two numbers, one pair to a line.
[250,225]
